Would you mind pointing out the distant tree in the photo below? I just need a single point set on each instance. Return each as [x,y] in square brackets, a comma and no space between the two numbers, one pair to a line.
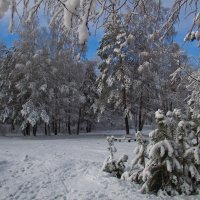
[89,90]
[114,82]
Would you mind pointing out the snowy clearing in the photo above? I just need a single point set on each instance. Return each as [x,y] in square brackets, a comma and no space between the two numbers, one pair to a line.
[63,168]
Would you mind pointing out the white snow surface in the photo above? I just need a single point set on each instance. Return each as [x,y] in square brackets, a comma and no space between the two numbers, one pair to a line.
[65,168]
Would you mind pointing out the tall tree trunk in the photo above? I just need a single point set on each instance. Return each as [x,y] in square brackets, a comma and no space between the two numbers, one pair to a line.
[78,122]
[55,127]
[12,126]
[53,124]
[69,124]
[69,111]
[171,106]
[126,117]
[28,130]
[136,120]
[24,132]
[197,137]
[142,116]
[45,129]
[89,127]
[35,129]
[124,99]
[127,125]
[48,129]
[59,125]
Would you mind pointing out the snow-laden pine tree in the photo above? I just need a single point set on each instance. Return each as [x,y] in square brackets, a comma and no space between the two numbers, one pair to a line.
[8,112]
[173,163]
[154,61]
[114,81]
[30,74]
[138,163]
[31,87]
[66,97]
[89,91]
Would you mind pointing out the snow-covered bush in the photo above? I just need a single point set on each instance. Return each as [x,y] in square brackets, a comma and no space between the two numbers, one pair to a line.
[169,168]
[138,162]
[111,165]
[170,163]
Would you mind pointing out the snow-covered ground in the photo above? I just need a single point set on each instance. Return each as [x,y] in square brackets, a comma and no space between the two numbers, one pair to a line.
[64,168]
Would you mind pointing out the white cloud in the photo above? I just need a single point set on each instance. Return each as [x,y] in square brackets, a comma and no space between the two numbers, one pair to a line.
[4,6]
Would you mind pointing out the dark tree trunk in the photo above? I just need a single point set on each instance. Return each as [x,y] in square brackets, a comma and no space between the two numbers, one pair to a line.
[55,127]
[78,123]
[136,120]
[45,129]
[12,126]
[142,116]
[34,130]
[89,127]
[53,124]
[86,127]
[126,117]
[59,125]
[171,106]
[127,125]
[49,129]
[24,132]
[69,106]
[69,124]
[28,130]
[140,112]
[125,102]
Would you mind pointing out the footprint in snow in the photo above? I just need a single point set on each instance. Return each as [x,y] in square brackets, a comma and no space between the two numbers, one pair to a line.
[26,158]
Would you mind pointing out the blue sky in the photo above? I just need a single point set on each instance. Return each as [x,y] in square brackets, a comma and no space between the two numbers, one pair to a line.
[182,28]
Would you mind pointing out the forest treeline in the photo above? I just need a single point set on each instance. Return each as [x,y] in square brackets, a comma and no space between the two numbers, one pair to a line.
[43,83]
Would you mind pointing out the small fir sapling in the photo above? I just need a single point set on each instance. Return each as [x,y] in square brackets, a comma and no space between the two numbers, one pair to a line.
[111,165]
[177,115]
[171,124]
[138,162]
[181,133]
[140,150]
[162,169]
[198,129]
[170,164]
[194,124]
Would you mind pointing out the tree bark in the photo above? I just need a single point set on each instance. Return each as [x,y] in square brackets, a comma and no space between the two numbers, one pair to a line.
[142,115]
[69,124]
[136,120]
[12,126]
[78,123]
[127,125]
[126,117]
[28,129]
[35,129]
[45,129]
[55,127]
[59,126]
[88,126]
[53,124]
[124,99]
[49,129]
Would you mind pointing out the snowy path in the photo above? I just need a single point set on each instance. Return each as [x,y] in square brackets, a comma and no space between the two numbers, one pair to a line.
[63,168]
